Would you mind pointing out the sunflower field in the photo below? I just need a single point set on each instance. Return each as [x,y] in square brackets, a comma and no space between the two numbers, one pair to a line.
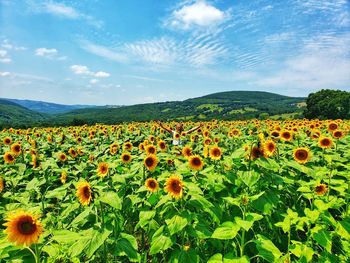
[232,191]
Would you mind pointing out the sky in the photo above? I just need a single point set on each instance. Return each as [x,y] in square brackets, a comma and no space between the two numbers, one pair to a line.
[122,52]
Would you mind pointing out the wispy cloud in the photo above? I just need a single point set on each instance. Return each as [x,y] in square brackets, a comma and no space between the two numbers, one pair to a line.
[59,9]
[323,63]
[6,44]
[63,11]
[5,74]
[196,14]
[144,78]
[194,51]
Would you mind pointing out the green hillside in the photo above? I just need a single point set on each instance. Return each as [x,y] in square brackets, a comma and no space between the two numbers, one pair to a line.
[14,115]
[225,105]
[231,105]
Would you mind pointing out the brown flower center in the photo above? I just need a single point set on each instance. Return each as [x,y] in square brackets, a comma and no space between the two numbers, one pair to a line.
[26,226]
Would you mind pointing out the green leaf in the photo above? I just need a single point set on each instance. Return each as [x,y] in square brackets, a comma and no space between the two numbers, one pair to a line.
[250,178]
[189,256]
[58,193]
[145,217]
[81,217]
[230,258]
[249,220]
[312,215]
[127,246]
[324,239]
[267,250]
[302,251]
[97,240]
[176,224]
[343,228]
[217,258]
[112,199]
[227,230]
[160,243]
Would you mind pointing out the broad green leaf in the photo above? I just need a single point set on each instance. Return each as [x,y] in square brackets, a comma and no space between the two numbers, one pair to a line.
[81,217]
[267,250]
[227,230]
[343,229]
[145,217]
[230,258]
[160,243]
[217,258]
[312,215]
[58,193]
[97,240]
[112,199]
[189,256]
[176,224]
[249,220]
[324,239]
[127,246]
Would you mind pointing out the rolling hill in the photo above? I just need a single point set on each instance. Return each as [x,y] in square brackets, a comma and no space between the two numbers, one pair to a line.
[14,115]
[47,107]
[232,105]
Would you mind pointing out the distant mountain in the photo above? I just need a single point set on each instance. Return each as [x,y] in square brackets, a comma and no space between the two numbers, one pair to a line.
[13,115]
[47,107]
[231,105]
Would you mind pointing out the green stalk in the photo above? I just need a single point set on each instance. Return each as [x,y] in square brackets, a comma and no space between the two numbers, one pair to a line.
[243,236]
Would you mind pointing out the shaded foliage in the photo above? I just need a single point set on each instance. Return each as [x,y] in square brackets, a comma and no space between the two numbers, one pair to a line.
[328,104]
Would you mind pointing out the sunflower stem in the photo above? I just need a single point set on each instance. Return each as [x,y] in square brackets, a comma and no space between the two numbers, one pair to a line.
[34,254]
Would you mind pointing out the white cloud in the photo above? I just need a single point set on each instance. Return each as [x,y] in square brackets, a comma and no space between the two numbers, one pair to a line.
[196,14]
[93,81]
[4,58]
[102,74]
[3,53]
[4,74]
[45,52]
[7,45]
[81,70]
[84,70]
[61,10]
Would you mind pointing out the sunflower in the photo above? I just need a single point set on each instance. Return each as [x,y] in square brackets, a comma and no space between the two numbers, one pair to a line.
[49,138]
[302,155]
[256,153]
[162,145]
[150,162]
[332,126]
[73,153]
[113,148]
[23,228]
[63,177]
[84,193]
[16,148]
[186,151]
[80,151]
[152,185]
[321,189]
[62,157]
[141,147]
[9,157]
[207,141]
[236,132]
[215,153]
[169,162]
[286,136]
[275,134]
[127,146]
[174,186]
[337,134]
[102,169]
[195,162]
[126,158]
[2,184]
[150,149]
[7,141]
[269,148]
[325,142]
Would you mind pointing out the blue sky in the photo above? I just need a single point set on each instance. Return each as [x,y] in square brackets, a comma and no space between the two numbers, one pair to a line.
[138,51]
